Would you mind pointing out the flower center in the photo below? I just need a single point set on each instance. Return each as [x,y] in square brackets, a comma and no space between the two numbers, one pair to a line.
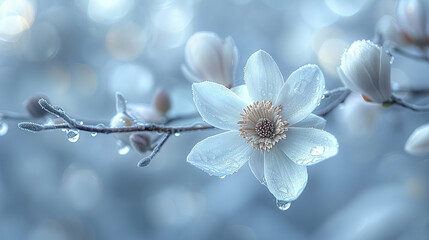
[265,128]
[262,125]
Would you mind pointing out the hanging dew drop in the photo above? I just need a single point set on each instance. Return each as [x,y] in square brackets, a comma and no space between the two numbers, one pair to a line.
[3,128]
[73,136]
[177,134]
[124,150]
[94,134]
[283,205]
[222,177]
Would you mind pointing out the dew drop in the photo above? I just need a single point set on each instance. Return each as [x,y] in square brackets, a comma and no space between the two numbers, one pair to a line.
[94,134]
[177,134]
[283,205]
[392,58]
[124,150]
[222,177]
[72,135]
[316,151]
[3,128]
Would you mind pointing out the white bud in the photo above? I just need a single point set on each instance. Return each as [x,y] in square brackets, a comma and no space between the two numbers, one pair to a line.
[209,58]
[365,68]
[161,101]
[140,142]
[389,30]
[412,20]
[418,142]
[121,120]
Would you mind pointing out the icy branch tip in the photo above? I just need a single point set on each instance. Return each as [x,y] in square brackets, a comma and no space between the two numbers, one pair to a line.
[31,127]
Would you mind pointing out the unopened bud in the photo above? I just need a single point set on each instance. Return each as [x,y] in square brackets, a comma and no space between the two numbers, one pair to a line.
[161,101]
[33,107]
[140,142]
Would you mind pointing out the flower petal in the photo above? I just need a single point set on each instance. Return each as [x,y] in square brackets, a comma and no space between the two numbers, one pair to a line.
[222,154]
[418,142]
[308,146]
[301,93]
[229,59]
[218,105]
[190,75]
[256,164]
[262,76]
[312,121]
[285,179]
[243,93]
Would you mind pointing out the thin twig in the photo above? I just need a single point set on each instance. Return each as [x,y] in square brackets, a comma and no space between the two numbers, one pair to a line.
[71,123]
[416,108]
[407,54]
[145,161]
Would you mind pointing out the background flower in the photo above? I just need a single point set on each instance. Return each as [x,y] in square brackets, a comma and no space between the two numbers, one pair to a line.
[365,68]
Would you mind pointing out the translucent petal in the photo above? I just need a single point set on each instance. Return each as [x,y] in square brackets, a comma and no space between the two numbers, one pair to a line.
[301,93]
[285,179]
[262,76]
[222,154]
[418,142]
[256,164]
[190,75]
[243,93]
[203,53]
[218,105]
[308,146]
[312,121]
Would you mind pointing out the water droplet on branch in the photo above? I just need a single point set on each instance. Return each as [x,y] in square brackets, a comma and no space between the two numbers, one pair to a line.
[72,135]
[3,128]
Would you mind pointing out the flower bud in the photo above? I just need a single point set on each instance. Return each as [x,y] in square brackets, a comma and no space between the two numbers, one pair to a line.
[210,58]
[365,68]
[418,142]
[121,120]
[412,20]
[389,30]
[33,107]
[140,142]
[161,101]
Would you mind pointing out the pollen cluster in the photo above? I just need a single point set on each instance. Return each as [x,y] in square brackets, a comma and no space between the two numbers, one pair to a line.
[262,125]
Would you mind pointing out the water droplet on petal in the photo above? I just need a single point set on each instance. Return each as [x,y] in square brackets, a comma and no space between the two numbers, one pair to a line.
[283,205]
[316,151]
[177,134]
[124,150]
[222,177]
[3,128]
[72,135]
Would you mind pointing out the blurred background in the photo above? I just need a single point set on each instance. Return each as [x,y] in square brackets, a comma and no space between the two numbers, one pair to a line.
[80,52]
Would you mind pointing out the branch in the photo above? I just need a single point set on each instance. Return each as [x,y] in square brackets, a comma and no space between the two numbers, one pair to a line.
[145,161]
[71,123]
[405,53]
[416,108]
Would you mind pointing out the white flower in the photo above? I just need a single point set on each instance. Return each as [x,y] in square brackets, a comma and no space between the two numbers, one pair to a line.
[388,29]
[210,58]
[365,69]
[412,20]
[418,142]
[268,122]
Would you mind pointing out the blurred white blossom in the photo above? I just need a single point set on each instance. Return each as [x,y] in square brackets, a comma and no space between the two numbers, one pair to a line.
[418,142]
[365,69]
[209,58]
[411,18]
[388,28]
[268,122]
